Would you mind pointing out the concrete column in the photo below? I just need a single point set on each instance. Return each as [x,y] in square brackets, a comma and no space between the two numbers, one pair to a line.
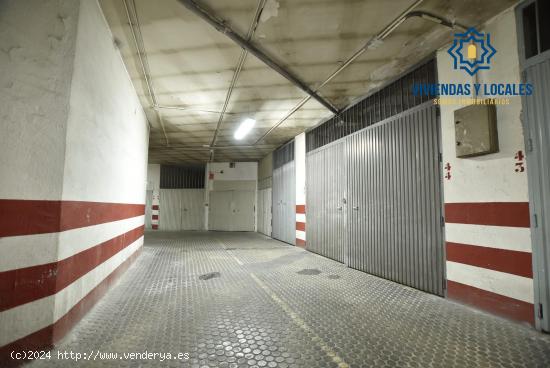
[300,164]
[72,168]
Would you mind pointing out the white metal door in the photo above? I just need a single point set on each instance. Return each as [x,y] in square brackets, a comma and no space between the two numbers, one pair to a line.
[242,210]
[170,210]
[264,211]
[192,206]
[536,121]
[231,210]
[181,209]
[220,213]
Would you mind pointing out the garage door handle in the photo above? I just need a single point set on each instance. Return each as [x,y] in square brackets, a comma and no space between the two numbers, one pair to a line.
[356,208]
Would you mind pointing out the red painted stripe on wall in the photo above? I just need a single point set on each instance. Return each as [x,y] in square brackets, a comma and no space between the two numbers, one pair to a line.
[491,302]
[155,207]
[503,260]
[155,217]
[301,208]
[300,226]
[27,217]
[155,226]
[513,214]
[25,285]
[300,243]
[46,337]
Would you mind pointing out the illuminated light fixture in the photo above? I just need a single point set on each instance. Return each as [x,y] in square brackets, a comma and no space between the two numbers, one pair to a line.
[244,128]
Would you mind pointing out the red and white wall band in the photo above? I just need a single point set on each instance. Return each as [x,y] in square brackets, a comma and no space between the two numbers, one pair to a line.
[58,258]
[301,225]
[488,250]
[155,210]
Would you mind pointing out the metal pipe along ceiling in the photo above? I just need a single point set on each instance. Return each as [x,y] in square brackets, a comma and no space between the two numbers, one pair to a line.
[140,48]
[409,13]
[373,41]
[198,148]
[190,109]
[240,64]
[223,28]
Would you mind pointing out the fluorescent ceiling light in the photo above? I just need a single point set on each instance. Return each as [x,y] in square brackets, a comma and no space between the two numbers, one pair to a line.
[244,128]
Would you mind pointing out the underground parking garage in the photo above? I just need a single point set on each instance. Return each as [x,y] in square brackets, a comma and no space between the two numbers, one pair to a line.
[274,183]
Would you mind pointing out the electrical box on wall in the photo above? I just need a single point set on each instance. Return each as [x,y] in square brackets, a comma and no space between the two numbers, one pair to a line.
[476,130]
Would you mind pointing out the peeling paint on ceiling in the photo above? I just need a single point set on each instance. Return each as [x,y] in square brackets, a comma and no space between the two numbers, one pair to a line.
[271,9]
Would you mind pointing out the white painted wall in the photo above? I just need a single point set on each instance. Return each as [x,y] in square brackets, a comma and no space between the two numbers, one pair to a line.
[153,177]
[38,45]
[241,171]
[37,42]
[72,129]
[488,178]
[107,133]
[37,39]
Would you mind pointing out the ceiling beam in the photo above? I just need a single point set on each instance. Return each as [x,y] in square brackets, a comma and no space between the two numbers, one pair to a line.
[227,31]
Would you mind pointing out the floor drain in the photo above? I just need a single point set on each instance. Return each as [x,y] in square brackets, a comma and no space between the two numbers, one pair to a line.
[210,275]
[309,271]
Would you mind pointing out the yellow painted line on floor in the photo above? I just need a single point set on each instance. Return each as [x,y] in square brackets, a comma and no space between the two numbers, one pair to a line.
[293,315]
[230,252]
[302,324]
[235,258]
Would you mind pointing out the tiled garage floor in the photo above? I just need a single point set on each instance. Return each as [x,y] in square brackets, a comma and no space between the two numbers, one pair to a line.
[244,300]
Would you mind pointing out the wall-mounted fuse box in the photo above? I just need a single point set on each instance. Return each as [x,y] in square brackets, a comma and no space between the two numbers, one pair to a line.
[476,130]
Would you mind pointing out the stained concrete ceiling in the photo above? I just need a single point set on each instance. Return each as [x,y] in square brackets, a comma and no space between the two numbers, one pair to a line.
[190,66]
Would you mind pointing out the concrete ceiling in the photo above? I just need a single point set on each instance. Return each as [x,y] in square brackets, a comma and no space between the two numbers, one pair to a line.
[190,65]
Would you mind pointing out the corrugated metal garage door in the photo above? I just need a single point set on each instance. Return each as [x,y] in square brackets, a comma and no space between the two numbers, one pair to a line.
[394,208]
[326,197]
[392,218]
[284,203]
[181,209]
[537,132]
